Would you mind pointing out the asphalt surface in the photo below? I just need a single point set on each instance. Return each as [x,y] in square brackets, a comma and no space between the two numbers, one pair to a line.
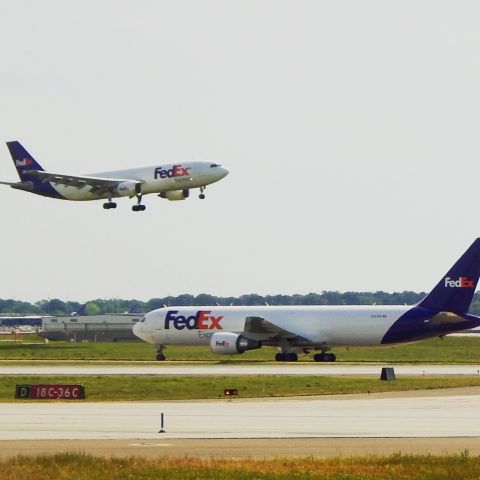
[230,370]
[382,415]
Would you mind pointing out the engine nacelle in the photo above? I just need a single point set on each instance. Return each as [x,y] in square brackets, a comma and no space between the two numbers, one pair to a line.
[175,195]
[226,343]
[129,189]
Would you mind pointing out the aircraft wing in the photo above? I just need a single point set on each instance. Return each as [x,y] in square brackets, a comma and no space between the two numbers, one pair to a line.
[257,328]
[97,185]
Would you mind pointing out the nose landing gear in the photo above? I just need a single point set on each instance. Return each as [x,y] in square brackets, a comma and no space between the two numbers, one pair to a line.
[202,195]
[160,356]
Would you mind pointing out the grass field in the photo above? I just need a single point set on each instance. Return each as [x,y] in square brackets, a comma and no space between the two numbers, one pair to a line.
[150,388]
[84,467]
[448,350]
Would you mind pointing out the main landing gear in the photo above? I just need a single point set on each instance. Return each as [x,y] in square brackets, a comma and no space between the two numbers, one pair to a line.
[108,205]
[286,357]
[293,357]
[325,357]
[202,195]
[139,207]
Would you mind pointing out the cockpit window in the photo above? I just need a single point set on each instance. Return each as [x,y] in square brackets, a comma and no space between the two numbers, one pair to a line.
[213,165]
[142,320]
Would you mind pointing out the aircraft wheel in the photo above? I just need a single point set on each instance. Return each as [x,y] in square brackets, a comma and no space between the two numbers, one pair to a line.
[330,357]
[286,357]
[112,205]
[319,357]
[201,196]
[161,357]
[106,206]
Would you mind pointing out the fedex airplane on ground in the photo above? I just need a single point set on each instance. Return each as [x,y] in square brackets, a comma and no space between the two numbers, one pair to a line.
[302,329]
[170,181]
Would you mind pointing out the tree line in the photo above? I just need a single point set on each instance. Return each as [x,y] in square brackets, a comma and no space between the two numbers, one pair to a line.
[58,307]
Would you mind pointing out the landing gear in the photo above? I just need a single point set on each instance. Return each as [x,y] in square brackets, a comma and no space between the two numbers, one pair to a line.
[138,207]
[286,357]
[109,204]
[202,195]
[160,356]
[325,357]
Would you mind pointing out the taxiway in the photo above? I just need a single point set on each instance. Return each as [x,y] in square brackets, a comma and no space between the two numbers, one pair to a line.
[231,370]
[381,415]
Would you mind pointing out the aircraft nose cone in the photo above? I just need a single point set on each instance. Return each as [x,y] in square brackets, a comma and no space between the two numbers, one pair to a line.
[223,172]
[139,331]
[136,329]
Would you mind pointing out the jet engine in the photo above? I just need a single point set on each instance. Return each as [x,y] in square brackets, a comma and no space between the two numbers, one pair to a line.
[231,343]
[175,195]
[129,189]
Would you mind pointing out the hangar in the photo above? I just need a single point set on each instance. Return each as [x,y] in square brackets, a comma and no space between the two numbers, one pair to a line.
[91,328]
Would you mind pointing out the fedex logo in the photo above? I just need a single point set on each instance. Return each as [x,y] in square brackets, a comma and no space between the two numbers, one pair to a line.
[175,171]
[462,282]
[222,344]
[23,163]
[202,320]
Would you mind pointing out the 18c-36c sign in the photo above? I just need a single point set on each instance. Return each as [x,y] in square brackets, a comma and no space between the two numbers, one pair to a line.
[50,392]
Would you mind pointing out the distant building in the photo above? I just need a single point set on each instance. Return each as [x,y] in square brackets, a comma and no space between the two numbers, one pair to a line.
[12,322]
[93,328]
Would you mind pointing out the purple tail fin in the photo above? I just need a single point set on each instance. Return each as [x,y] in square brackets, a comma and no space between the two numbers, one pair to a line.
[455,290]
[22,159]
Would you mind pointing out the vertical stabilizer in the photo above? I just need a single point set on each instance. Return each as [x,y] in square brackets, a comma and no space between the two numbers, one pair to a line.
[22,160]
[455,290]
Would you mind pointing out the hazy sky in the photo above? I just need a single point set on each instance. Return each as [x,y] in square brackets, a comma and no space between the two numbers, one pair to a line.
[351,131]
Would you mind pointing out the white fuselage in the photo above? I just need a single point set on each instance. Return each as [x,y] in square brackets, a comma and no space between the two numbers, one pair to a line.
[154,179]
[322,325]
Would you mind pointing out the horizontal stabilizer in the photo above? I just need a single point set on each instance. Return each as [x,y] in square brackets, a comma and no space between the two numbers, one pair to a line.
[27,186]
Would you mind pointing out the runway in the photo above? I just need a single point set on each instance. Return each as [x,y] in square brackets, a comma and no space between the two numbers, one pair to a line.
[357,416]
[232,370]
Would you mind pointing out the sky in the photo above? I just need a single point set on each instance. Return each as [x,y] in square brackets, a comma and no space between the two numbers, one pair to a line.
[351,131]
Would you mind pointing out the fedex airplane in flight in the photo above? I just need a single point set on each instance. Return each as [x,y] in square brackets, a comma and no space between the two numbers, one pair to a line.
[303,329]
[170,181]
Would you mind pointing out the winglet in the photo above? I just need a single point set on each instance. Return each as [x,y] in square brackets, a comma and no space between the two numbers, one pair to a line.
[455,290]
[22,160]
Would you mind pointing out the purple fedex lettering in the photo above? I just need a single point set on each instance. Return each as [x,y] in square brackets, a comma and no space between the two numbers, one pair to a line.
[175,171]
[202,320]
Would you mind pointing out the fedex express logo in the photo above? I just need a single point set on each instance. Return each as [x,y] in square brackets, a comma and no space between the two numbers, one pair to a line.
[202,320]
[462,282]
[175,171]
[23,163]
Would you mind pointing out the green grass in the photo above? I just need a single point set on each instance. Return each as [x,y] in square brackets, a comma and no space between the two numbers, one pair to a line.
[449,350]
[86,467]
[150,388]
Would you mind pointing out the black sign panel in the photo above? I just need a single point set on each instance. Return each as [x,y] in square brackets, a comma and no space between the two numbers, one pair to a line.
[50,392]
